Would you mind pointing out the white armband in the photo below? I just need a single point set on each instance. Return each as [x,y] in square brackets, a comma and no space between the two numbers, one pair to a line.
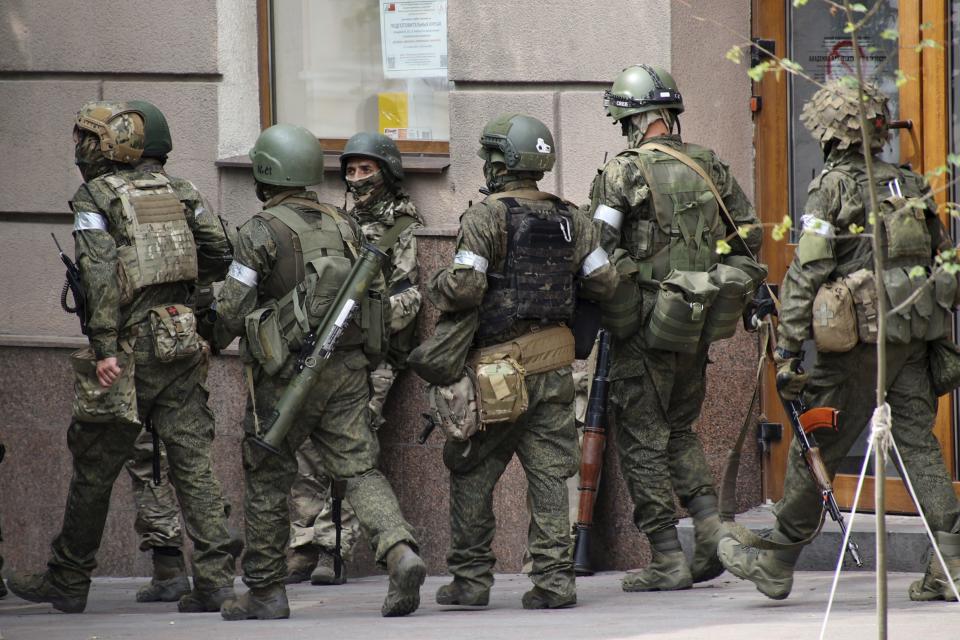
[242,274]
[609,215]
[84,220]
[817,226]
[598,258]
[470,259]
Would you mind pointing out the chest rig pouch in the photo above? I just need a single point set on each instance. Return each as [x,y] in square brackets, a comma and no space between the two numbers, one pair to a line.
[537,282]
[155,244]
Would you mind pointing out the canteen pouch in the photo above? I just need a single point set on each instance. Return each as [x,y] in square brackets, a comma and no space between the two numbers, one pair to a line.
[454,407]
[834,318]
[680,311]
[265,341]
[174,329]
[735,290]
[944,359]
[863,288]
[621,314]
[93,403]
[501,391]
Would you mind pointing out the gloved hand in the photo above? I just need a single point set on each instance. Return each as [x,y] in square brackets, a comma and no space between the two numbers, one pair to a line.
[790,376]
[761,306]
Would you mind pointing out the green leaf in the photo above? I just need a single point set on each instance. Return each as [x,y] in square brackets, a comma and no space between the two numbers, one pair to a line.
[849,28]
[723,247]
[859,7]
[780,229]
[744,231]
[856,229]
[756,73]
[890,34]
[735,54]
[917,272]
[790,65]
[926,43]
[799,3]
[953,158]
[926,25]
[901,78]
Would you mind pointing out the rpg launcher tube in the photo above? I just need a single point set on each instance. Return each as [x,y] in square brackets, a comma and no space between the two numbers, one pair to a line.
[348,301]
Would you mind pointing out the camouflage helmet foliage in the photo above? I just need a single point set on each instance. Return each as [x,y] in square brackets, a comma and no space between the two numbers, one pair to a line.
[832,114]
[287,155]
[156,131]
[376,146]
[640,88]
[521,142]
[117,125]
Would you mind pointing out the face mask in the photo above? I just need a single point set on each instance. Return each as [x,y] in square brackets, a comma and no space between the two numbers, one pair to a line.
[367,190]
[89,159]
[640,122]
[496,176]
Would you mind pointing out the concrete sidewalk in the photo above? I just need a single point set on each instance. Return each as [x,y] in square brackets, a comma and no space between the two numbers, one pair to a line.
[724,609]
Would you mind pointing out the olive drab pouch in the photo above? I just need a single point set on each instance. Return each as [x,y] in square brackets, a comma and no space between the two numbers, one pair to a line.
[501,391]
[440,358]
[622,312]
[676,322]
[905,233]
[174,329]
[454,409]
[374,321]
[264,339]
[735,290]
[94,403]
[944,359]
[944,296]
[911,318]
[834,318]
[756,270]
[863,288]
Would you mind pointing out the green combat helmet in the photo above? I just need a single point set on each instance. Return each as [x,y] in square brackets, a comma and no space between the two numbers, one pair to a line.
[521,142]
[288,156]
[832,116]
[156,131]
[376,146]
[640,88]
[117,125]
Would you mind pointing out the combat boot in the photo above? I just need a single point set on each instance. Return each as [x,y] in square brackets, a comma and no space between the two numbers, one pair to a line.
[169,582]
[325,573]
[300,563]
[407,573]
[267,603]
[707,531]
[667,571]
[770,570]
[538,598]
[934,585]
[461,593]
[205,600]
[40,587]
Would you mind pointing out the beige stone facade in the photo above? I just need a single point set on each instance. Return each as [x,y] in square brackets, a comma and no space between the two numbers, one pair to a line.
[197,61]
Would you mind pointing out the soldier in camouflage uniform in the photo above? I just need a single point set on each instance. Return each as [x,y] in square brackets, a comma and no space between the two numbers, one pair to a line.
[660,215]
[371,167]
[289,262]
[142,240]
[522,257]
[838,199]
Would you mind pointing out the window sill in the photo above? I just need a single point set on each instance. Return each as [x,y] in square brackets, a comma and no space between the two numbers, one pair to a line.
[412,162]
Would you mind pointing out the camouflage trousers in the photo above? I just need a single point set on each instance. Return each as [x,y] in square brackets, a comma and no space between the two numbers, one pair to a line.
[335,419]
[311,506]
[544,440]
[158,514]
[174,397]
[846,381]
[381,381]
[660,455]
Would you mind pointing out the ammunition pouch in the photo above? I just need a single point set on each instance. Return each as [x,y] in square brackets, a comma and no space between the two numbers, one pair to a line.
[374,323]
[929,316]
[834,318]
[94,403]
[622,313]
[174,329]
[265,341]
[677,320]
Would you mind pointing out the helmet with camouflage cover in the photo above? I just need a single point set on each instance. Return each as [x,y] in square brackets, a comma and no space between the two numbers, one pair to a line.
[117,125]
[287,155]
[156,132]
[640,88]
[376,146]
[832,116]
[520,142]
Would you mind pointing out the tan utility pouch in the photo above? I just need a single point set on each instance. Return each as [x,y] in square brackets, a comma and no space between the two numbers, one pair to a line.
[834,319]
[501,391]
[93,403]
[863,288]
[538,351]
[680,312]
[265,341]
[174,329]
[454,407]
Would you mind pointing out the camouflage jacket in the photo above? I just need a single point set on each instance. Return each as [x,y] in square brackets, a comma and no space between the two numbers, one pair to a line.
[837,199]
[96,255]
[402,274]
[255,255]
[483,233]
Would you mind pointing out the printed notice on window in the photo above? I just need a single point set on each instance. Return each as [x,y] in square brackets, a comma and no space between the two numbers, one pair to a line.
[414,38]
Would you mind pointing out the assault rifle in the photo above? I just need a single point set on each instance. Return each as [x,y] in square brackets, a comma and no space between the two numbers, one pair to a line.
[338,489]
[591,456]
[74,286]
[320,345]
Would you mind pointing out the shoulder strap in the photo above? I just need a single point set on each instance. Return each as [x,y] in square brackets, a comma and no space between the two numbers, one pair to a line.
[347,230]
[526,194]
[392,234]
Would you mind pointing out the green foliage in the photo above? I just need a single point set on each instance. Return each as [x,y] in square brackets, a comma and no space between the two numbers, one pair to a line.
[890,34]
[856,229]
[799,3]
[779,231]
[756,73]
[790,65]
[723,247]
[917,272]
[858,7]
[926,43]
[735,54]
[902,78]
[744,230]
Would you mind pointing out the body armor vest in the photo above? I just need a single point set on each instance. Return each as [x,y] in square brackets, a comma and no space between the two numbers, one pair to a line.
[686,217]
[154,242]
[537,279]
